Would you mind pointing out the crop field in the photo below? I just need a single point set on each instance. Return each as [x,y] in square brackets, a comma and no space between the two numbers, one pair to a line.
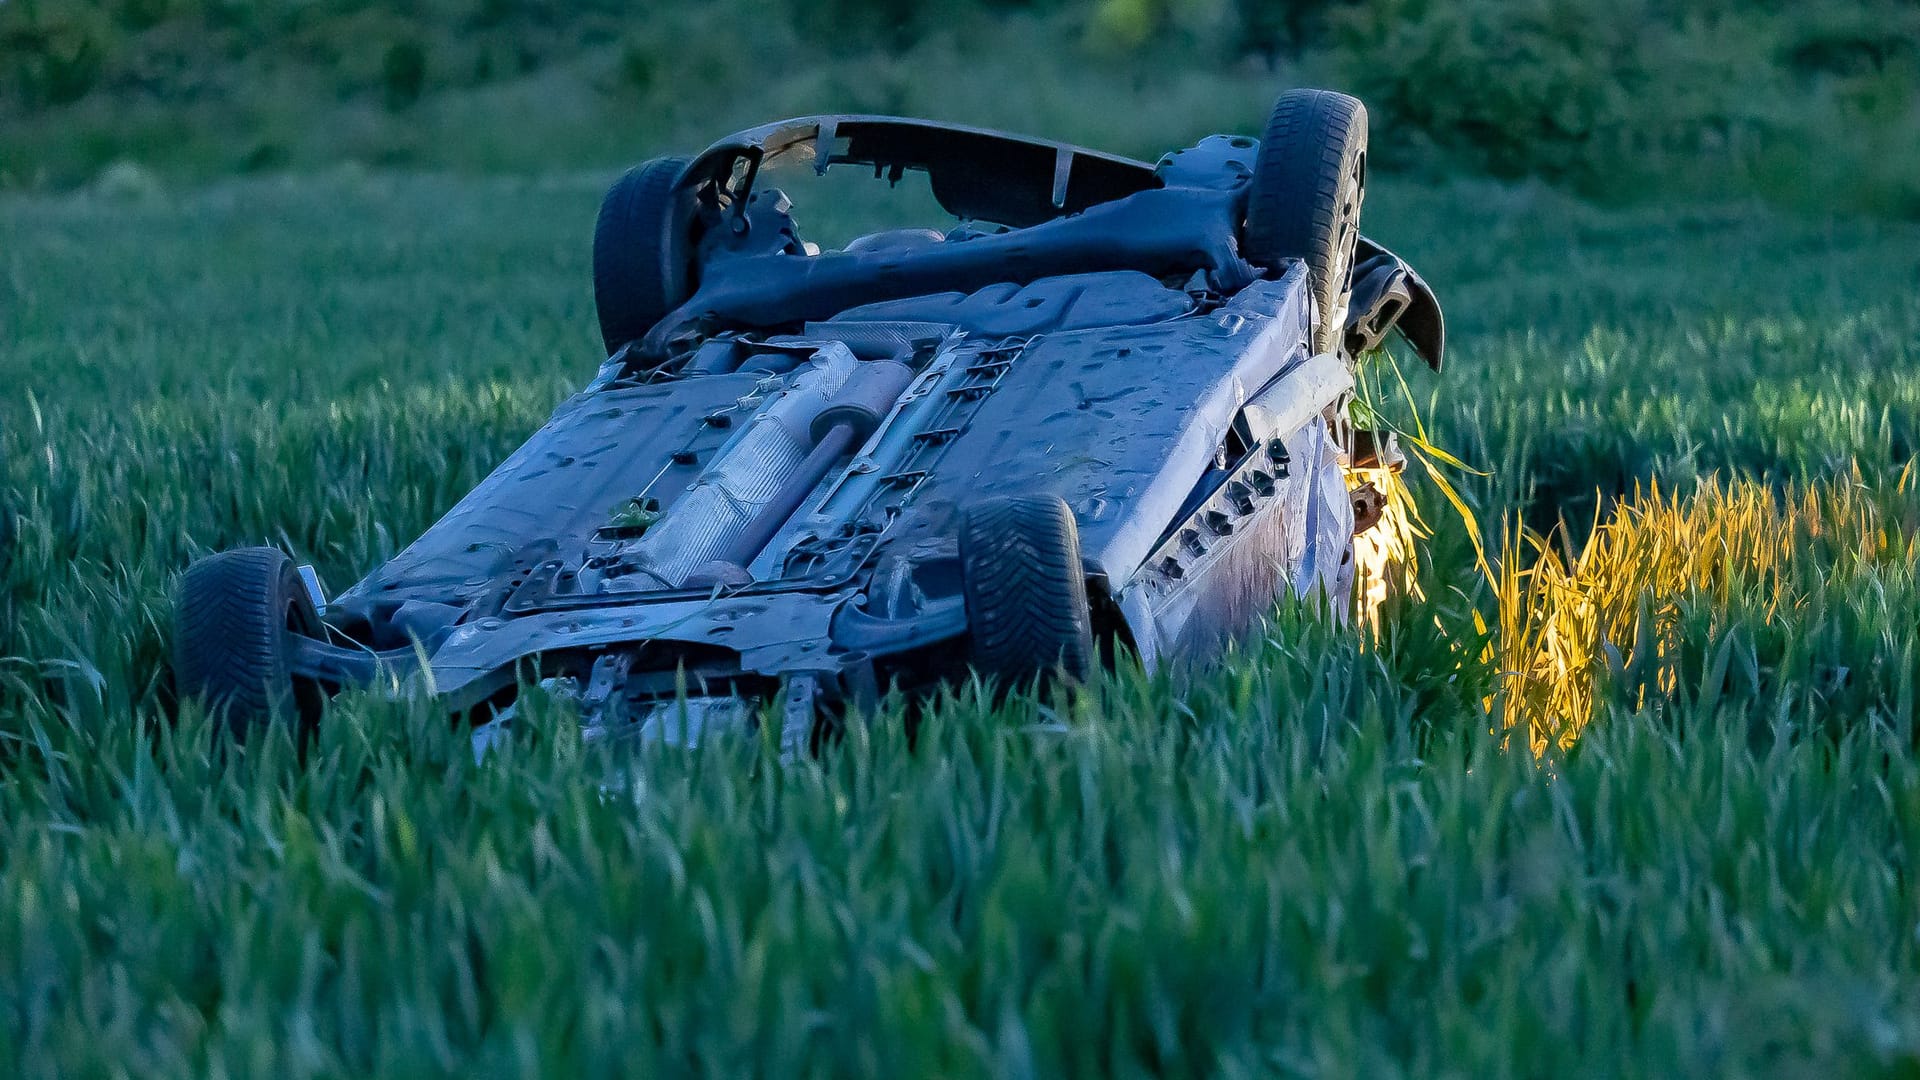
[1639,797]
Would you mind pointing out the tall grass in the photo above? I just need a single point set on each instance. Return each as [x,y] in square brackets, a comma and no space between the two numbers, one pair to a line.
[1335,854]
[1732,591]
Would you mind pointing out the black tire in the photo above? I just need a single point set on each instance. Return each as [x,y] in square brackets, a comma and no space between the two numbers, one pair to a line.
[642,251]
[1026,592]
[234,618]
[1308,182]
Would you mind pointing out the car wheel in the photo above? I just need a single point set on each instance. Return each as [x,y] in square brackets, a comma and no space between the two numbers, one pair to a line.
[1308,181]
[234,619]
[1026,593]
[642,251]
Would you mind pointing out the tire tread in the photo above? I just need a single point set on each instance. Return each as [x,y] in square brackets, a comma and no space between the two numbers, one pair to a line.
[1293,211]
[1026,591]
[230,633]
[636,280]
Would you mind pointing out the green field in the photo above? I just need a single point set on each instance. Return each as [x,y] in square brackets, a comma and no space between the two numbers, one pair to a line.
[1644,802]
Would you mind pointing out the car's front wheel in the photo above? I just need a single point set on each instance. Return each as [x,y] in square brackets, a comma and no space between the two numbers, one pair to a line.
[234,621]
[1026,592]
[1308,181]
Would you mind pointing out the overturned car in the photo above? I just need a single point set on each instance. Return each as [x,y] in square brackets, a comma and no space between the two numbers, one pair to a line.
[1106,409]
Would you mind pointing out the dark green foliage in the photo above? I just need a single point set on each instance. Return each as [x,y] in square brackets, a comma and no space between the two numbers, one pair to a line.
[842,24]
[1517,87]
[1847,41]
[144,14]
[54,52]
[403,72]
[1270,28]
[1813,104]
[1624,98]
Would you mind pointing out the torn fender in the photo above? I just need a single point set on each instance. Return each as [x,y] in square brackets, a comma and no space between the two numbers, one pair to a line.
[1422,324]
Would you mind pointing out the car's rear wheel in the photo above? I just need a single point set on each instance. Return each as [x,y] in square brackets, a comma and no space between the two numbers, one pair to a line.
[234,621]
[1026,592]
[642,251]
[1308,182]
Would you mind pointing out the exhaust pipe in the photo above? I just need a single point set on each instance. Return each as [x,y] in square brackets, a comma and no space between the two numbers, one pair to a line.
[738,505]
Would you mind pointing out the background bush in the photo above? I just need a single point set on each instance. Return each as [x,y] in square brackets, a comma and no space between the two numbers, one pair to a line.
[1814,104]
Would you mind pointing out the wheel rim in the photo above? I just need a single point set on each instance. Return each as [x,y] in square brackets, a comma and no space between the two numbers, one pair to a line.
[1352,190]
[1346,240]
[305,697]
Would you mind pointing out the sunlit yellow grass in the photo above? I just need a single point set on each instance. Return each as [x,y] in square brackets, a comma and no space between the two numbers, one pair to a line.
[1565,620]
[1385,556]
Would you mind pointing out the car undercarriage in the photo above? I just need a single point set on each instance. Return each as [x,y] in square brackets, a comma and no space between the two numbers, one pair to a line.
[1104,413]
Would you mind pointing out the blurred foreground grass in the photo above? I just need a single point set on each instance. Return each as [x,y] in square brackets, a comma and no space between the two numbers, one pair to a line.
[1327,857]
